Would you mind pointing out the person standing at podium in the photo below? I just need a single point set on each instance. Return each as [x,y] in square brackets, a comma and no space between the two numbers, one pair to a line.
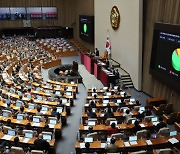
[97,52]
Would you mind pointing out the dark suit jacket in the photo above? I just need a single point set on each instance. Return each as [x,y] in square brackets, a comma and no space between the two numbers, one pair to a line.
[160,125]
[109,115]
[92,115]
[40,144]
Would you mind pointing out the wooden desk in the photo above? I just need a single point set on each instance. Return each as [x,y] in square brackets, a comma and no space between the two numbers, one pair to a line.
[52,63]
[156,101]
[23,140]
[161,142]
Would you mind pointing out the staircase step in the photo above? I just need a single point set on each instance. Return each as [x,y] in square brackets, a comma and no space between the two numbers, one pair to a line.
[129,86]
[127,83]
[126,80]
[125,76]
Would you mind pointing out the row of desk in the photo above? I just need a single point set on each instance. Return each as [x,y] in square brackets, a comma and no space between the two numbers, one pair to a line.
[97,68]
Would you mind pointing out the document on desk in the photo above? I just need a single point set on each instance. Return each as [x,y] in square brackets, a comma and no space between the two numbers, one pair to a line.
[173,140]
[86,127]
[35,124]
[105,96]
[86,104]
[82,145]
[155,123]
[26,140]
[103,145]
[43,112]
[51,126]
[7,137]
[142,125]
[133,142]
[148,142]
[126,144]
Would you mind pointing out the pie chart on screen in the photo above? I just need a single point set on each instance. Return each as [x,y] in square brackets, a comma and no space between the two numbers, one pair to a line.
[176,59]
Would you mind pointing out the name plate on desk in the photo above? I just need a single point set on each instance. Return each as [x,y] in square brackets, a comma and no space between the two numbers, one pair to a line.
[133,143]
[148,142]
[103,145]
[126,144]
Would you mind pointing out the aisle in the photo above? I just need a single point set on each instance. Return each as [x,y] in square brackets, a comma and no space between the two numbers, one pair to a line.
[89,80]
[69,132]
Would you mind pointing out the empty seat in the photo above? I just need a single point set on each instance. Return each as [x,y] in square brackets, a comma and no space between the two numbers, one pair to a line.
[94,135]
[109,120]
[130,120]
[17,150]
[159,110]
[118,136]
[162,151]
[168,109]
[148,118]
[37,152]
[164,132]
[171,119]
[141,134]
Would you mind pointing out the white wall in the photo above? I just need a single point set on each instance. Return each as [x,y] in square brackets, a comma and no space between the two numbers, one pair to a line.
[126,42]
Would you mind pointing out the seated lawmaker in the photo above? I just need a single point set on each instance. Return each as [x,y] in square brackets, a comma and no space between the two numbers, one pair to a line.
[161,124]
[91,114]
[109,113]
[112,130]
[112,147]
[87,148]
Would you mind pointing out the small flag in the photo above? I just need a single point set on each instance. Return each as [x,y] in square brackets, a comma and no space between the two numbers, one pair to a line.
[108,45]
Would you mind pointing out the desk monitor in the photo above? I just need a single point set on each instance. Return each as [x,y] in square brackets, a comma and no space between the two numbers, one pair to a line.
[44,108]
[105,88]
[133,121]
[7,101]
[19,93]
[38,89]
[118,101]
[5,114]
[18,104]
[154,119]
[91,123]
[28,135]
[28,96]
[69,88]
[58,86]
[88,139]
[108,94]
[11,91]
[115,87]
[40,98]
[31,106]
[47,91]
[20,117]
[154,136]
[122,92]
[132,99]
[108,139]
[173,133]
[47,137]
[11,132]
[68,94]
[64,101]
[59,109]
[72,82]
[53,121]
[142,108]
[48,85]
[132,138]
[113,122]
[57,92]
[36,120]
[105,101]
[94,94]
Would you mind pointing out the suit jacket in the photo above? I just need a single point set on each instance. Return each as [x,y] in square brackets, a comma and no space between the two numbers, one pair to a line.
[160,125]
[40,144]
[112,148]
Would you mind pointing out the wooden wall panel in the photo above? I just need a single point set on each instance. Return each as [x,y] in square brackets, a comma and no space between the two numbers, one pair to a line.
[68,14]
[33,3]
[167,11]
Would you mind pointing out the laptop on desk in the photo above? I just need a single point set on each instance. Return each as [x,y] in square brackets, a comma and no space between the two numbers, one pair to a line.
[173,133]
[132,138]
[88,139]
[11,132]
[91,123]
[47,137]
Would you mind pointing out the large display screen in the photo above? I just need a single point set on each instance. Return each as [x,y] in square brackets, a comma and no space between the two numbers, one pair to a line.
[5,13]
[18,13]
[86,28]
[165,56]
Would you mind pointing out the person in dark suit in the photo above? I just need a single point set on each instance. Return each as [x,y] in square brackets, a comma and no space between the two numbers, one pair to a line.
[16,142]
[41,144]
[147,112]
[136,127]
[91,114]
[97,52]
[87,148]
[161,124]
[54,112]
[92,104]
[109,113]
[112,147]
